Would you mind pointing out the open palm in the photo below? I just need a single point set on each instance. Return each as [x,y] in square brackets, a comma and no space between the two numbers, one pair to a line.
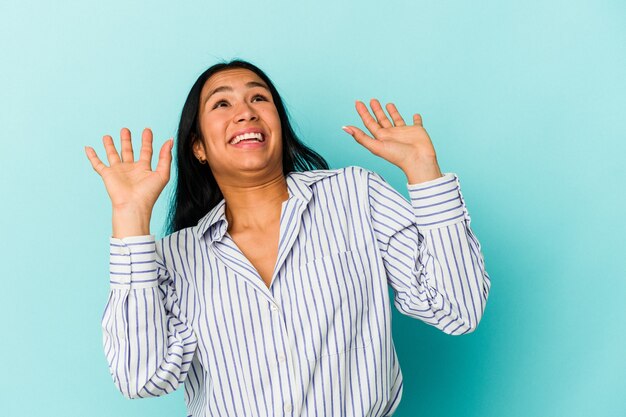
[129,183]
[405,146]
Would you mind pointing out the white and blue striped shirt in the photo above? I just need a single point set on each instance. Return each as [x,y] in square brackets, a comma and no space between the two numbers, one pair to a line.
[191,308]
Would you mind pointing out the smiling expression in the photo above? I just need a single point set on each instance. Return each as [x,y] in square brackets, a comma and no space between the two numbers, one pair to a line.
[240,126]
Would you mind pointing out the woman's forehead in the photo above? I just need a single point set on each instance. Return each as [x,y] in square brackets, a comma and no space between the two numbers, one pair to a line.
[232,77]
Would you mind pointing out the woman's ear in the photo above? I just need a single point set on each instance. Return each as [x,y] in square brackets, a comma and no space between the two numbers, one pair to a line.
[198,148]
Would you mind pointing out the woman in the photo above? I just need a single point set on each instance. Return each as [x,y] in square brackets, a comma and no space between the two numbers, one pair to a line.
[269,296]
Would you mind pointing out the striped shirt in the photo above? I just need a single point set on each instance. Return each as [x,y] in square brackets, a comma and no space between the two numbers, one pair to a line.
[191,308]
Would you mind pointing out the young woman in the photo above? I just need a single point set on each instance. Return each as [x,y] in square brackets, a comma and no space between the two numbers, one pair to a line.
[269,294]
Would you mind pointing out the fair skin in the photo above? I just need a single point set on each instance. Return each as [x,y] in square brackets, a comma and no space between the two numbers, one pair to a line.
[248,173]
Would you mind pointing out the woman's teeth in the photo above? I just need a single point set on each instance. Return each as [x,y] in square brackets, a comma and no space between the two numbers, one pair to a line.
[247,136]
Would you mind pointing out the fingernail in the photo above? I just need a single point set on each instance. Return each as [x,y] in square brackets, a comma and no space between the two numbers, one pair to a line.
[347,130]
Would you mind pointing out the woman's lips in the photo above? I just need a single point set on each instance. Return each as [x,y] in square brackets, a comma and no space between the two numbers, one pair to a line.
[249,144]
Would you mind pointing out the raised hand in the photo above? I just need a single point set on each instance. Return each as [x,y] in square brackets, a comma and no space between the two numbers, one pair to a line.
[408,147]
[132,185]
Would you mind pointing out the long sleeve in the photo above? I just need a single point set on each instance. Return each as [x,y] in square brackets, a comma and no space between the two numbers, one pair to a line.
[147,340]
[432,259]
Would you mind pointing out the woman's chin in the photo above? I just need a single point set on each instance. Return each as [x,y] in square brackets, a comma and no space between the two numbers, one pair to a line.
[255,166]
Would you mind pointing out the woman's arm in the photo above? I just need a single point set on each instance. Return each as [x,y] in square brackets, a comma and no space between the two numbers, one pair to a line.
[432,258]
[148,342]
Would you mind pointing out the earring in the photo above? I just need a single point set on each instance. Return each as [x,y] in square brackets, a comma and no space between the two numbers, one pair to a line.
[202,161]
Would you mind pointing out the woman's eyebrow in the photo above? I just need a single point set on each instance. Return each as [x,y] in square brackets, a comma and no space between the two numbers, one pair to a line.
[249,84]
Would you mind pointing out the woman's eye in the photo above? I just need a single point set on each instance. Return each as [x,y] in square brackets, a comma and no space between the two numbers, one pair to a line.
[220,103]
[259,97]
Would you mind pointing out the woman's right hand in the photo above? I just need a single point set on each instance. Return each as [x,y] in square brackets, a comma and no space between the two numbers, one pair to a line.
[133,186]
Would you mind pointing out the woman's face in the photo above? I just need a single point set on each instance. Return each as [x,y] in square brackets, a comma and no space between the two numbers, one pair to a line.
[241,130]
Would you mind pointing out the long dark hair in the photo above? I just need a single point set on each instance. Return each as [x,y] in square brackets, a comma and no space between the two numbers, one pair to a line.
[196,191]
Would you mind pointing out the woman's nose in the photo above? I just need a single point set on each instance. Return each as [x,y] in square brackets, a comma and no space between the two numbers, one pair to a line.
[245,112]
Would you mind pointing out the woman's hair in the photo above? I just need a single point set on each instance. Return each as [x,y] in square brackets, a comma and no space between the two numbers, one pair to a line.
[196,191]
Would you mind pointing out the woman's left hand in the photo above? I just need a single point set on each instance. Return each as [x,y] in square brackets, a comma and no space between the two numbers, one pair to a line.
[408,147]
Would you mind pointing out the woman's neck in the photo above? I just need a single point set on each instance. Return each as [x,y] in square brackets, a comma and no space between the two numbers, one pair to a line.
[254,205]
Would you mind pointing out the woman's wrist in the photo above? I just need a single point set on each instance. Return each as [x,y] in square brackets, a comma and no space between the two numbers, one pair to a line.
[130,222]
[422,171]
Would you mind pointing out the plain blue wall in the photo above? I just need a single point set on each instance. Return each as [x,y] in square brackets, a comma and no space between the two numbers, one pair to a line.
[524,100]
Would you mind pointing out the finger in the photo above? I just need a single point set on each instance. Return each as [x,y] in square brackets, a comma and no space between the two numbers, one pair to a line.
[127,145]
[369,143]
[109,147]
[417,120]
[380,113]
[370,123]
[96,163]
[395,115]
[145,154]
[165,159]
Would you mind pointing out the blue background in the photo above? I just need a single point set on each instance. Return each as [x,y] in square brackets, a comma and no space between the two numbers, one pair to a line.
[525,101]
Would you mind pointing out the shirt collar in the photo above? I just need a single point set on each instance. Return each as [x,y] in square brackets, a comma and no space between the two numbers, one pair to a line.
[214,223]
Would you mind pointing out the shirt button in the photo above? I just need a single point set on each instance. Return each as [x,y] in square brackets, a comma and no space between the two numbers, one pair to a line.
[288,408]
[274,308]
[281,358]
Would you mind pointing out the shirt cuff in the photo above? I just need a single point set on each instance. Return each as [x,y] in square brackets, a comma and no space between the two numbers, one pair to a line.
[132,262]
[438,202]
